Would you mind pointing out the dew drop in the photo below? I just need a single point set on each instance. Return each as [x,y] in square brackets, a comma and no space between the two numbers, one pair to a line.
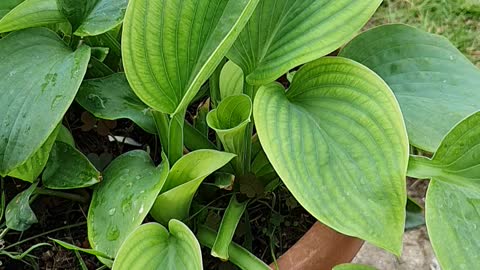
[112,211]
[113,233]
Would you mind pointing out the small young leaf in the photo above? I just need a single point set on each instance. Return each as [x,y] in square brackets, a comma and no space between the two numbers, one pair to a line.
[230,120]
[39,78]
[93,17]
[435,84]
[152,246]
[18,215]
[112,98]
[29,14]
[123,199]
[183,181]
[68,168]
[237,254]
[65,136]
[338,135]
[231,80]
[229,224]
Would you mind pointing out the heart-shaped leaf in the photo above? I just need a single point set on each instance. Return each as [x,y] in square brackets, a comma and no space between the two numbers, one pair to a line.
[112,98]
[170,48]
[30,13]
[435,84]
[33,167]
[93,17]
[18,214]
[152,246]
[39,78]
[122,200]
[68,168]
[230,120]
[231,80]
[337,140]
[183,181]
[453,198]
[283,34]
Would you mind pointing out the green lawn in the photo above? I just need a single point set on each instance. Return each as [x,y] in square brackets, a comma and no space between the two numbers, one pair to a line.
[458,20]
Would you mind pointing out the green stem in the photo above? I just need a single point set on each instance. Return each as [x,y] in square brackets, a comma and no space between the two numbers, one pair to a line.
[175,137]
[60,194]
[250,90]
[237,254]
[229,224]
[46,233]
[421,167]
[161,121]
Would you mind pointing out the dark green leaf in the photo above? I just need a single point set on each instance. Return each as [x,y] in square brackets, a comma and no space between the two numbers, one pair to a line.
[93,17]
[112,98]
[68,168]
[39,78]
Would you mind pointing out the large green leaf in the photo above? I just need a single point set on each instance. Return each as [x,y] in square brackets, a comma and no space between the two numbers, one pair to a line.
[337,140]
[453,198]
[171,47]
[112,98]
[68,168]
[33,167]
[230,120]
[183,181]
[123,199]
[283,34]
[93,17]
[18,214]
[434,83]
[39,78]
[31,13]
[151,246]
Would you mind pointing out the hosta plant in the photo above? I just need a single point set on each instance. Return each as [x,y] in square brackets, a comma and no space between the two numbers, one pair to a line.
[337,130]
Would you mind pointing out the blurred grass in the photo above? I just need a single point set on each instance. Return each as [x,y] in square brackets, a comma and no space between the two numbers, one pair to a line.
[458,20]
